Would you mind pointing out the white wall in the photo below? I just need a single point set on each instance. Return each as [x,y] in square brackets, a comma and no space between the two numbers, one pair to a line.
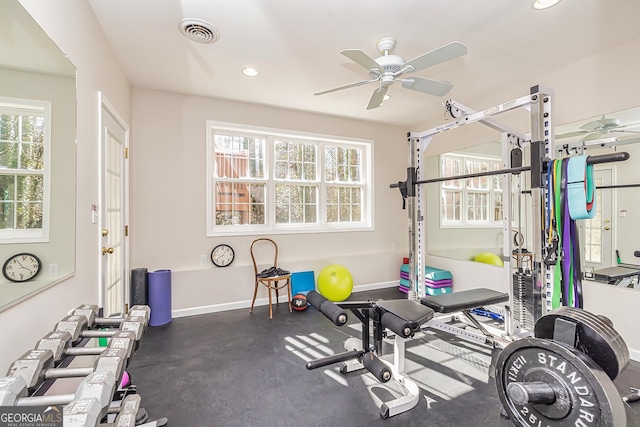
[168,229]
[593,86]
[73,26]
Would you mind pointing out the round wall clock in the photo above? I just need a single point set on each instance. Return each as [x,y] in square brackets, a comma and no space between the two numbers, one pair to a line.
[222,255]
[21,267]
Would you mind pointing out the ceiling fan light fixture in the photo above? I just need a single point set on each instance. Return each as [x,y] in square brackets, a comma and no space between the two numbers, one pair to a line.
[544,4]
[250,72]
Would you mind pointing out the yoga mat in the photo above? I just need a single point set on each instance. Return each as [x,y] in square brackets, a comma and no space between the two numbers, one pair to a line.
[159,287]
[302,282]
[446,284]
[431,273]
[138,286]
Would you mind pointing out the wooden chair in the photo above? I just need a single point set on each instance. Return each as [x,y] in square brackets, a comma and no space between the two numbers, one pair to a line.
[262,245]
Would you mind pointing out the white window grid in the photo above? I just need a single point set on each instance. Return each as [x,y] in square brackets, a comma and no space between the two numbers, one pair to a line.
[278,177]
[470,202]
[39,111]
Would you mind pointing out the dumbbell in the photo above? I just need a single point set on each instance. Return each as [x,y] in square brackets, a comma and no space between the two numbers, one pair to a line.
[59,342]
[88,412]
[36,366]
[90,311]
[77,326]
[98,386]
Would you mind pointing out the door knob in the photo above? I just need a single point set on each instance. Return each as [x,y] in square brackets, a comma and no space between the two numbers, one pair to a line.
[107,250]
[607,228]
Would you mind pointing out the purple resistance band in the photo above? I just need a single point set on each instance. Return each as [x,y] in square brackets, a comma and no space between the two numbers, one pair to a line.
[566,238]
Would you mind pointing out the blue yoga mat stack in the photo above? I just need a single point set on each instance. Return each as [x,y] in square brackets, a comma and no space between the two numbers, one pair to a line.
[436,280]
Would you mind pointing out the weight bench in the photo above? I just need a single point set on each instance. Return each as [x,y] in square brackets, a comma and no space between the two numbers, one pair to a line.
[403,317]
[463,302]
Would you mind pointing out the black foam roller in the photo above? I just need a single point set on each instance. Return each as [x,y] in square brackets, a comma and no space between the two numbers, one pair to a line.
[334,313]
[377,367]
[138,286]
[315,299]
[396,324]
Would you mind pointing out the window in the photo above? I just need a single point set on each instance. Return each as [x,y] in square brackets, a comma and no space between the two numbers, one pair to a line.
[267,180]
[24,170]
[472,201]
[593,242]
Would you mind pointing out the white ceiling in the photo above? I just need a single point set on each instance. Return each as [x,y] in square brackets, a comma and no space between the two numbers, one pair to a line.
[296,45]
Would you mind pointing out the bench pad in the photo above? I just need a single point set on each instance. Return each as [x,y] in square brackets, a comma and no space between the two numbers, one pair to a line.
[464,300]
[407,310]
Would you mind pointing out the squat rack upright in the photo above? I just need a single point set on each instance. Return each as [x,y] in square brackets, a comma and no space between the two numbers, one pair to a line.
[530,291]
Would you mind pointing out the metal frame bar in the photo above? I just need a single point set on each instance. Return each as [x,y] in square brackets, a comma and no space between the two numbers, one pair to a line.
[540,102]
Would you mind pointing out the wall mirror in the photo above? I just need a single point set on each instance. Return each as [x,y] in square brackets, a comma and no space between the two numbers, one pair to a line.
[37,154]
[609,240]
[464,216]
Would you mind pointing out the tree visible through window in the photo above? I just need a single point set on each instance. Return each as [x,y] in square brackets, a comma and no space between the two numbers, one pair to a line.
[23,143]
[271,181]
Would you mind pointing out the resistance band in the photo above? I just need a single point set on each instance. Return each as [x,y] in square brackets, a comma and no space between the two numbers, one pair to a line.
[566,186]
[580,188]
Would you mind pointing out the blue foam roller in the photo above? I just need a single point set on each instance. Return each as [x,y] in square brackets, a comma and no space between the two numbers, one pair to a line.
[159,289]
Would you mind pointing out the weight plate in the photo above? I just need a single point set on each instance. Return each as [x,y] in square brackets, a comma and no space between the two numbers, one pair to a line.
[594,337]
[584,393]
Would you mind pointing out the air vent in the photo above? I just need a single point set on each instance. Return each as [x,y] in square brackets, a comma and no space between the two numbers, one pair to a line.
[199,31]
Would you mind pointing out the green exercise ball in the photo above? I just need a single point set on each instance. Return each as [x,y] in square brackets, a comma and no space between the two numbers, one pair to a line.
[489,258]
[335,283]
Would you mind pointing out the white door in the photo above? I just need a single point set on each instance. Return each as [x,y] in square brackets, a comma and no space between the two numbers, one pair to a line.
[597,244]
[113,211]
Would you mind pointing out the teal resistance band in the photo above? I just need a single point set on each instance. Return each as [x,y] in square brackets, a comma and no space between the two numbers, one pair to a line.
[580,188]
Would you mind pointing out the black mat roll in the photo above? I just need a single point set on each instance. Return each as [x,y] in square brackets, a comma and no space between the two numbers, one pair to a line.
[138,286]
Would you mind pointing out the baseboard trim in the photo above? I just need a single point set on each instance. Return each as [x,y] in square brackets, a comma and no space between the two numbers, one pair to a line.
[215,308]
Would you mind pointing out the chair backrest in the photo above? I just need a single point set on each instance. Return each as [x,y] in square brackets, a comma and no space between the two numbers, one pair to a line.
[264,248]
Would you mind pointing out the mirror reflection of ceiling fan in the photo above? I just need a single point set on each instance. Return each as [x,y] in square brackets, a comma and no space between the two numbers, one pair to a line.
[388,69]
[601,128]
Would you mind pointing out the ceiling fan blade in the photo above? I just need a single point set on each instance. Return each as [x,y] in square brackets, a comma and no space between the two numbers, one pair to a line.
[432,87]
[572,134]
[593,136]
[628,125]
[594,125]
[437,56]
[377,97]
[360,83]
[359,57]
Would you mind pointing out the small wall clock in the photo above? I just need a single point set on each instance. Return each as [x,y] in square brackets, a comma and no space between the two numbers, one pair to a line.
[21,267]
[222,255]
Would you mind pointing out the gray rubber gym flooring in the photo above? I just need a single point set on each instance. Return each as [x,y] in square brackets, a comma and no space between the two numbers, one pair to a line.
[240,369]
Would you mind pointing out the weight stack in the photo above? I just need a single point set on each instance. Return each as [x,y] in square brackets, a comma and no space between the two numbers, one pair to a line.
[159,290]
[526,301]
[139,286]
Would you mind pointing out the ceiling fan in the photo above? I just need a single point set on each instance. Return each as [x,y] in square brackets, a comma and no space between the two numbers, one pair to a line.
[388,69]
[598,128]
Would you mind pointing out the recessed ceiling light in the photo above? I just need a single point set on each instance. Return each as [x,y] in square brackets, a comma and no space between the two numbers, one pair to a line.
[250,71]
[544,4]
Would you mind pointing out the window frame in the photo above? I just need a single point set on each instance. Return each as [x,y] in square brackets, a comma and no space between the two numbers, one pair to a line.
[270,226]
[26,106]
[492,191]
